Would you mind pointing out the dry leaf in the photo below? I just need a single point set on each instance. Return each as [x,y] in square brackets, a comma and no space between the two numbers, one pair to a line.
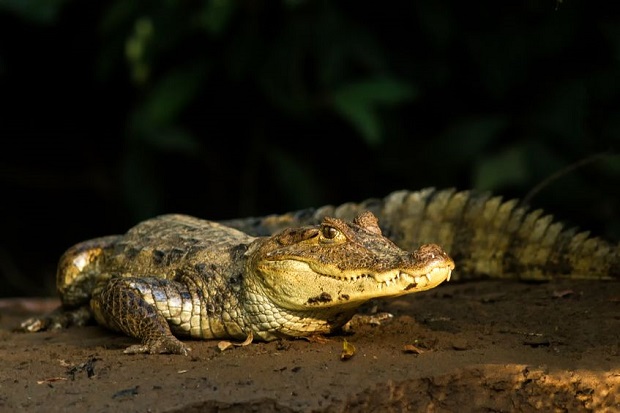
[562,294]
[316,338]
[248,340]
[410,348]
[223,345]
[348,350]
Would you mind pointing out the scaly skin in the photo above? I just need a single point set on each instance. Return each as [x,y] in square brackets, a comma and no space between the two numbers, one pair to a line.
[177,275]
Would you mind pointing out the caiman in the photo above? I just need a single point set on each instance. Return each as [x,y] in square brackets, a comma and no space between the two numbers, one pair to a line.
[306,273]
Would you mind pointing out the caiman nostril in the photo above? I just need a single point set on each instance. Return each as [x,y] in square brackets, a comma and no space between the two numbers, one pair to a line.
[431,252]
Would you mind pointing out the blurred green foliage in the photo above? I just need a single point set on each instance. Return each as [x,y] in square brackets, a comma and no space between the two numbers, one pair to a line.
[122,110]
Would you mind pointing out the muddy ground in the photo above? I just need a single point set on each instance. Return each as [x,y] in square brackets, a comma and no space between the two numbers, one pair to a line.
[475,346]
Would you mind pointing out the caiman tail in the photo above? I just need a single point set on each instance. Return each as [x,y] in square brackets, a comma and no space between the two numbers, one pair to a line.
[486,236]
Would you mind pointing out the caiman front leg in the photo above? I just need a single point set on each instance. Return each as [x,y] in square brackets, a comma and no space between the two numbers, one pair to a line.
[142,308]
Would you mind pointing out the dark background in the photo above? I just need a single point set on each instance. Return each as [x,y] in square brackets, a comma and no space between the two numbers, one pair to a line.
[112,112]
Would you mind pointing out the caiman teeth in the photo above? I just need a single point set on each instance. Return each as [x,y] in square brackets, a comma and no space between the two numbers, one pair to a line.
[425,278]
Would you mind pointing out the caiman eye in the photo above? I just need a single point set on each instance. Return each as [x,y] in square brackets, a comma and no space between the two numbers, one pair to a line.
[328,232]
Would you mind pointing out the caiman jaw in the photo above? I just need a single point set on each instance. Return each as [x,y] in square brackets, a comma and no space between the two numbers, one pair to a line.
[299,284]
[427,267]
[425,281]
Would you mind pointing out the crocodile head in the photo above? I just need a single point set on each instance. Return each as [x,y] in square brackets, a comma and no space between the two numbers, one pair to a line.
[343,264]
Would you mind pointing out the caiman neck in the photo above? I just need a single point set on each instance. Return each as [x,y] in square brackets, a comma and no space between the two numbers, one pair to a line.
[269,321]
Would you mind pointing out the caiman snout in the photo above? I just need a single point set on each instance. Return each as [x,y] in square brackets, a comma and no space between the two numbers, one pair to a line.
[432,255]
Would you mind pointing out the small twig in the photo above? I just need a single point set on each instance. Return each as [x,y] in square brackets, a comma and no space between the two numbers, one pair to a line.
[562,172]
